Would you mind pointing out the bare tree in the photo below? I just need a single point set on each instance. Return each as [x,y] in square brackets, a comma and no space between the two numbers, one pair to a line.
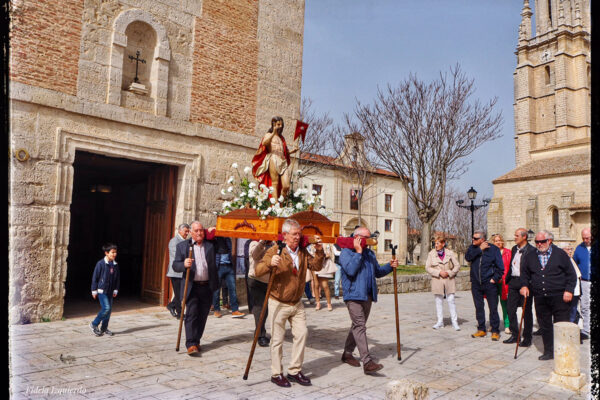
[317,140]
[349,152]
[424,131]
[414,229]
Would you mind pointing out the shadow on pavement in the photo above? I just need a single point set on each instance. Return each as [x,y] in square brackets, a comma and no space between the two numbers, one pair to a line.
[139,328]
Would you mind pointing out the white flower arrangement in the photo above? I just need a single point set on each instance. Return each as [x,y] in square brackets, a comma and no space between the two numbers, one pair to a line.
[248,193]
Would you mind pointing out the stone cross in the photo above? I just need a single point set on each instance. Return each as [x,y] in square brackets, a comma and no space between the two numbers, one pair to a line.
[137,61]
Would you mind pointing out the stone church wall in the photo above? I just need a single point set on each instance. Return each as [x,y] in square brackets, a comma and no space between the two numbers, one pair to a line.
[55,114]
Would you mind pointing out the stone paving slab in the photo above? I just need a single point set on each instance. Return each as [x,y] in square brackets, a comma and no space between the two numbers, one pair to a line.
[140,361]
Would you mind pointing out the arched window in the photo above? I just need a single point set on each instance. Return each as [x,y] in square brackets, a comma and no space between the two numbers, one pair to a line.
[547,74]
[550,13]
[555,220]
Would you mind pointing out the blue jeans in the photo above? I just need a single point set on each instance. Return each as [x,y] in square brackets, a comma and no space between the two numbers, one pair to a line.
[228,274]
[336,281]
[104,314]
[490,290]
[307,290]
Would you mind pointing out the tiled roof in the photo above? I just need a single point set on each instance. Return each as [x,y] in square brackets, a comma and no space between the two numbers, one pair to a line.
[317,158]
[549,167]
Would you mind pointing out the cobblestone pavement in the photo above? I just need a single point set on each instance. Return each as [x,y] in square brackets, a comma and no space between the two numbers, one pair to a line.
[140,361]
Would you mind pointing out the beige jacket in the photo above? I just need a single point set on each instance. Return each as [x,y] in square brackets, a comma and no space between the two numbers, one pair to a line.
[434,265]
[256,252]
[287,285]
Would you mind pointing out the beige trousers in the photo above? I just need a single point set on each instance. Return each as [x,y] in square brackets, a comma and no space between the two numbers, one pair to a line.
[279,314]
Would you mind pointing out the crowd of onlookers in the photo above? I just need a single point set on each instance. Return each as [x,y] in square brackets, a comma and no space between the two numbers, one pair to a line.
[554,281]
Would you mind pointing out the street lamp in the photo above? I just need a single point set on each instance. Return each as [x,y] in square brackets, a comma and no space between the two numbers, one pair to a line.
[472,194]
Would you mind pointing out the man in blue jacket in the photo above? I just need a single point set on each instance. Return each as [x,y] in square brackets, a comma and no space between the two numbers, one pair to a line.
[487,269]
[359,270]
[582,258]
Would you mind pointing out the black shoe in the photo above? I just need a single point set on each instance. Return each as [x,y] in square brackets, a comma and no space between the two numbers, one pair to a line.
[172,310]
[107,332]
[511,339]
[280,380]
[546,356]
[299,378]
[263,342]
[537,333]
[525,343]
[95,329]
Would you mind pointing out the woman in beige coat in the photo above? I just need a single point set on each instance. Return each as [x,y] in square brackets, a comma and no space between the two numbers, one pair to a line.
[443,266]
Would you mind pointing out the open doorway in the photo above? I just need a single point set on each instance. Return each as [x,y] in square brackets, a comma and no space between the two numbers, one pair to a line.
[129,203]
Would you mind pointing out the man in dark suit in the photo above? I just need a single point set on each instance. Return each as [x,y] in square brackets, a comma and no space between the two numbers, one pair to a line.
[515,300]
[202,283]
[549,274]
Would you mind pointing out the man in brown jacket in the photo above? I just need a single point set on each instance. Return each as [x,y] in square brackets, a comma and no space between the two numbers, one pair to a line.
[290,270]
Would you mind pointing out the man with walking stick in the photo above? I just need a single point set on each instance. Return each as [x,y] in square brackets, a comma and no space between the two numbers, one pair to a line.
[515,300]
[289,275]
[359,270]
[202,283]
[550,276]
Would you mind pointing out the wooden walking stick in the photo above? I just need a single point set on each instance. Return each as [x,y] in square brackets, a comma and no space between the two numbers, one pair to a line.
[187,279]
[281,245]
[396,302]
[520,326]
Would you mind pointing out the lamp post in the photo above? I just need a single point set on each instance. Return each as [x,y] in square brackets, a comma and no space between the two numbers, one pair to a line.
[472,194]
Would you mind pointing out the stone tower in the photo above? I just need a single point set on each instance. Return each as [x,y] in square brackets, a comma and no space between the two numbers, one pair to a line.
[550,186]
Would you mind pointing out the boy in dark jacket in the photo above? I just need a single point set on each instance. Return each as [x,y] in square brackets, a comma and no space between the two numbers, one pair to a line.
[105,286]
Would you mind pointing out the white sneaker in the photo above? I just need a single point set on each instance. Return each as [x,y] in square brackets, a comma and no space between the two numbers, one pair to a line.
[438,325]
[456,326]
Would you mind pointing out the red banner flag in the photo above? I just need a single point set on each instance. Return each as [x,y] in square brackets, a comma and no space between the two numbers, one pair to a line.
[301,128]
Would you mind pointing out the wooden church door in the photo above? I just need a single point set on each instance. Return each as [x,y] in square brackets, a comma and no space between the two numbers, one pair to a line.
[158,230]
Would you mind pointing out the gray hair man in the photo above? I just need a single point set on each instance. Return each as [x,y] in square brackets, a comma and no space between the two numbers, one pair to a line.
[359,272]
[174,306]
[203,282]
[548,274]
[515,300]
[289,270]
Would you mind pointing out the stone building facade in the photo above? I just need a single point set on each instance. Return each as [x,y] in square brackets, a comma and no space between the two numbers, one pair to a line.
[384,204]
[105,147]
[550,185]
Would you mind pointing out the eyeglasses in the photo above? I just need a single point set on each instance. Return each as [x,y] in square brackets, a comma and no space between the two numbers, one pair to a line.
[541,241]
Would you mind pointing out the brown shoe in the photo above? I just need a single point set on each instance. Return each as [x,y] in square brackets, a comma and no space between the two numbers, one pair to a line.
[479,334]
[371,367]
[193,351]
[237,314]
[495,336]
[218,314]
[280,380]
[348,358]
[299,378]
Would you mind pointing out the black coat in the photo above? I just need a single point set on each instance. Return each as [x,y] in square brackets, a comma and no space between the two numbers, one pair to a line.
[183,251]
[526,249]
[558,276]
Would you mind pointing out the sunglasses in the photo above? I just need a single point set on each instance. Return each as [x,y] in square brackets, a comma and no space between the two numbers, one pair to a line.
[541,241]
[476,238]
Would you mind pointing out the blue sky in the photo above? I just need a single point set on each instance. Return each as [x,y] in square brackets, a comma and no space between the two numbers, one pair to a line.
[352,46]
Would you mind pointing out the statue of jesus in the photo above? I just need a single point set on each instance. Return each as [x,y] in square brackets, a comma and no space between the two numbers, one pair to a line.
[272,159]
